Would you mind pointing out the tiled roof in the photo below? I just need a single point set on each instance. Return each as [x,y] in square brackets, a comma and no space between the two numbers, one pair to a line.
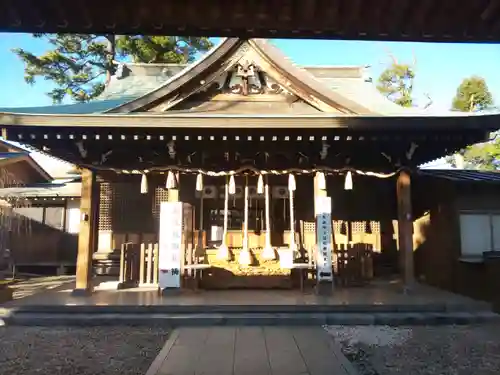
[138,80]
[55,167]
[72,189]
[357,89]
[463,175]
[95,106]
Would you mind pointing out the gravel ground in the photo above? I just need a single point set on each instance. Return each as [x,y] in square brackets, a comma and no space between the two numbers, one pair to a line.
[82,351]
[436,350]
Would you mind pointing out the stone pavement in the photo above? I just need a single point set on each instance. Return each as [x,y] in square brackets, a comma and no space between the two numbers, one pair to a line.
[250,351]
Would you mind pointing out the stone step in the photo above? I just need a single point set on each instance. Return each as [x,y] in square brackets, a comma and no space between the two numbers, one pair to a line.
[196,309]
[212,319]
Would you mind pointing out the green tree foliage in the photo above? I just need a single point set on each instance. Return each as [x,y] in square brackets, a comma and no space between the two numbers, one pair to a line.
[80,65]
[472,95]
[484,156]
[396,83]
[161,49]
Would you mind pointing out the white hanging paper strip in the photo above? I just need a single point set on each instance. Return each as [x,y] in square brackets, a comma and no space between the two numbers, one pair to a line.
[260,185]
[144,184]
[321,181]
[171,183]
[199,182]
[348,181]
[291,182]
[232,186]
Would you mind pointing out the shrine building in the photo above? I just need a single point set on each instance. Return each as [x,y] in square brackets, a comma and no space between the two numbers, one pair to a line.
[260,151]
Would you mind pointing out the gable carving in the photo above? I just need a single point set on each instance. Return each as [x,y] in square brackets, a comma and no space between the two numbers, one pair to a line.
[246,75]
[246,78]
[243,71]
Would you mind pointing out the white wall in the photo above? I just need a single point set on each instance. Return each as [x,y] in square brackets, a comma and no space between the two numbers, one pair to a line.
[73,216]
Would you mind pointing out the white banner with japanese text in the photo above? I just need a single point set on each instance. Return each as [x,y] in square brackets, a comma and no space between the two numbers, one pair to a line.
[324,238]
[169,257]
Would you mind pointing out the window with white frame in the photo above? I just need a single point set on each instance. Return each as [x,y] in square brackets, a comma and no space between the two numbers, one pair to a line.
[479,232]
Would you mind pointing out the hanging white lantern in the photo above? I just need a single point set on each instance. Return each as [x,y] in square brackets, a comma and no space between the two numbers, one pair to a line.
[232,186]
[260,185]
[348,181]
[199,182]
[291,182]
[321,181]
[144,184]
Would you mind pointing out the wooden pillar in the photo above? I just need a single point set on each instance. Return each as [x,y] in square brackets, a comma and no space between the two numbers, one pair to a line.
[317,193]
[173,194]
[405,228]
[87,237]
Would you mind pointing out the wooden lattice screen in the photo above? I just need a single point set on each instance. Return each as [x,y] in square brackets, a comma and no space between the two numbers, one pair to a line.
[105,206]
[161,195]
[123,209]
[340,227]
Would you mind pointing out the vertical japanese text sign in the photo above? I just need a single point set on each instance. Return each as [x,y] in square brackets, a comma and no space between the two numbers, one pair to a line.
[324,238]
[169,262]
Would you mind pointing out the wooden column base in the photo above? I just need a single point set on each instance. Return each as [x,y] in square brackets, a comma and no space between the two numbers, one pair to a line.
[168,292]
[6,294]
[82,292]
[324,288]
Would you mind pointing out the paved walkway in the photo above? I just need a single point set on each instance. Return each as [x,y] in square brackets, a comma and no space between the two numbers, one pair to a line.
[250,351]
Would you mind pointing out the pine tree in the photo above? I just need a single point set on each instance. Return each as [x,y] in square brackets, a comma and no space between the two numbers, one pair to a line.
[161,49]
[396,83]
[80,65]
[473,95]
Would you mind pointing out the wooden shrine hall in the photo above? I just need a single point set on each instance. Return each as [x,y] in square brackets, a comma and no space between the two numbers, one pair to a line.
[285,173]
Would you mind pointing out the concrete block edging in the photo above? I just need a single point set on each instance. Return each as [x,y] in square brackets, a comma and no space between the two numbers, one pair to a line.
[160,358]
[337,352]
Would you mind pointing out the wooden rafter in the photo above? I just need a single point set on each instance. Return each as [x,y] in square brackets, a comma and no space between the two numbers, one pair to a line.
[230,148]
[429,20]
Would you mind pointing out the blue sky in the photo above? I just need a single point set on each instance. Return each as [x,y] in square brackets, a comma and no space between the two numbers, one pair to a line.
[439,67]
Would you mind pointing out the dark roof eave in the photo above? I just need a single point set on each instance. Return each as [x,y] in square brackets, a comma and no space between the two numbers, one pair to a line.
[462,175]
[485,123]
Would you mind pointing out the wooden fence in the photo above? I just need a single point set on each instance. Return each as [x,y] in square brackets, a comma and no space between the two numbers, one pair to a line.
[138,264]
[352,264]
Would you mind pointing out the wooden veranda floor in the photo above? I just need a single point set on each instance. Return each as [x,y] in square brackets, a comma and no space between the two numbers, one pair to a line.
[379,296]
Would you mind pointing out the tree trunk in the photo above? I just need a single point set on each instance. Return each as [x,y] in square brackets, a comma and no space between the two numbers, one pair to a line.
[111,52]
